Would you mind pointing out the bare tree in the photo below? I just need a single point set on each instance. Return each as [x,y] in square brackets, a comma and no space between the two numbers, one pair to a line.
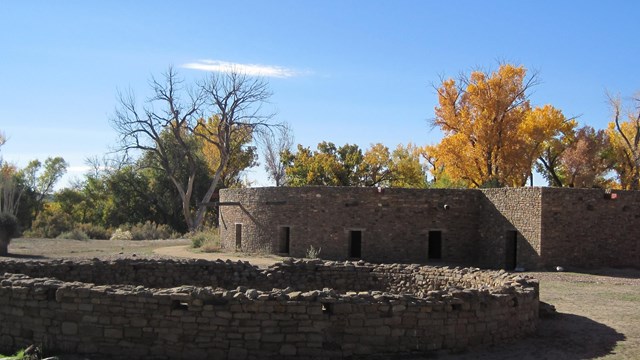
[170,133]
[10,192]
[275,143]
[625,140]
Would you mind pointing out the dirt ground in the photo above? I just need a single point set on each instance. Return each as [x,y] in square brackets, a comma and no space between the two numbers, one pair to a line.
[598,313]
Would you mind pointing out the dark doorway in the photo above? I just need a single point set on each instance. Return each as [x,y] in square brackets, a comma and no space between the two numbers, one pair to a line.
[355,244]
[511,250]
[284,237]
[238,236]
[434,251]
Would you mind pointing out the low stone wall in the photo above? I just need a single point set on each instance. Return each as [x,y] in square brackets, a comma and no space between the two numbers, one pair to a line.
[296,309]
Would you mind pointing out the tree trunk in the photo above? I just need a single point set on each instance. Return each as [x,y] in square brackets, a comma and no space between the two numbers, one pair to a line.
[4,243]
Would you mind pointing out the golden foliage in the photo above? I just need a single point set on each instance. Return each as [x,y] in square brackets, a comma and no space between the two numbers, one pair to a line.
[241,156]
[624,140]
[492,136]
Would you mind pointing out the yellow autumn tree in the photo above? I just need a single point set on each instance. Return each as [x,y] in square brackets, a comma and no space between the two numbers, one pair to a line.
[492,135]
[241,155]
[376,166]
[407,170]
[624,139]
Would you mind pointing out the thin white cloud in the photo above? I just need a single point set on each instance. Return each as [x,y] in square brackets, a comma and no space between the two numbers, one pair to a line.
[249,69]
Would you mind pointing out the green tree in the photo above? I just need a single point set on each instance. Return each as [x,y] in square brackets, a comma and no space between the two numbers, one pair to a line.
[41,178]
[348,166]
[328,165]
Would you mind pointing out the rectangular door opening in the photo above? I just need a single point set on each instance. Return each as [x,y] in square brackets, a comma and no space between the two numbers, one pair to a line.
[434,251]
[238,236]
[355,244]
[284,239]
[511,250]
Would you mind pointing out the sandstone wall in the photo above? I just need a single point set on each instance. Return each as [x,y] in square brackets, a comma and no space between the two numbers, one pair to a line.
[421,309]
[588,228]
[505,210]
[394,223]
[510,228]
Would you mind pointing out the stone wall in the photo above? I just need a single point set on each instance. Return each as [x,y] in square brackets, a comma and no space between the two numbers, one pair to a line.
[509,228]
[504,211]
[394,223]
[415,309]
[148,273]
[590,228]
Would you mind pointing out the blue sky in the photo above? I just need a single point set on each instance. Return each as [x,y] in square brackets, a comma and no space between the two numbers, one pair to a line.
[357,71]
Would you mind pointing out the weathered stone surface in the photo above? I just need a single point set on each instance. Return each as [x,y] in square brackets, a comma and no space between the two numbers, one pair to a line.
[553,226]
[298,309]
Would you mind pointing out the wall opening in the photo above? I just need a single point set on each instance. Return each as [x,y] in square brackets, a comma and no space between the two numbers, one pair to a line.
[511,250]
[238,236]
[434,250]
[355,244]
[284,239]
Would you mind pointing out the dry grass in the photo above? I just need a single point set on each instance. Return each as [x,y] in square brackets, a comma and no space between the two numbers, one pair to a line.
[65,248]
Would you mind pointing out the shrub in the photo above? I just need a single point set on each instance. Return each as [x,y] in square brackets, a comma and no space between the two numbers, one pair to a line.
[8,225]
[152,231]
[74,234]
[8,229]
[197,240]
[51,222]
[206,240]
[93,231]
[211,245]
[313,253]
[120,234]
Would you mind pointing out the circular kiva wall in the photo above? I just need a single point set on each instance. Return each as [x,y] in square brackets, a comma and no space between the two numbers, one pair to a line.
[297,309]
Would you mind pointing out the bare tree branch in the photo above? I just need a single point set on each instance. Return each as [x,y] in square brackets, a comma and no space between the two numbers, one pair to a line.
[275,143]
[168,131]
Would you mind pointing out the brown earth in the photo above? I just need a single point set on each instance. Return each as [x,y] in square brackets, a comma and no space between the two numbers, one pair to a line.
[598,313]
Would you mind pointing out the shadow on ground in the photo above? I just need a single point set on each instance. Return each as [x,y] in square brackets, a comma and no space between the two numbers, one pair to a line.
[22,256]
[564,336]
[627,273]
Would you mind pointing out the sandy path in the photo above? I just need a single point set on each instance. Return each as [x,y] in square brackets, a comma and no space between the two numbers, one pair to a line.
[184,252]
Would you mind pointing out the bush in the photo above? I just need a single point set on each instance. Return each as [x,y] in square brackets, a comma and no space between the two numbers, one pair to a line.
[152,231]
[8,229]
[96,232]
[8,225]
[313,253]
[206,240]
[50,222]
[120,234]
[197,240]
[74,234]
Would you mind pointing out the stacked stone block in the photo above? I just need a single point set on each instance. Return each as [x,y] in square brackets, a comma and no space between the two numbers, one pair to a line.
[582,228]
[297,309]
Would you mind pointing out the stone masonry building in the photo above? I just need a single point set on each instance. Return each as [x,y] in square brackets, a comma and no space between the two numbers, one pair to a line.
[530,228]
